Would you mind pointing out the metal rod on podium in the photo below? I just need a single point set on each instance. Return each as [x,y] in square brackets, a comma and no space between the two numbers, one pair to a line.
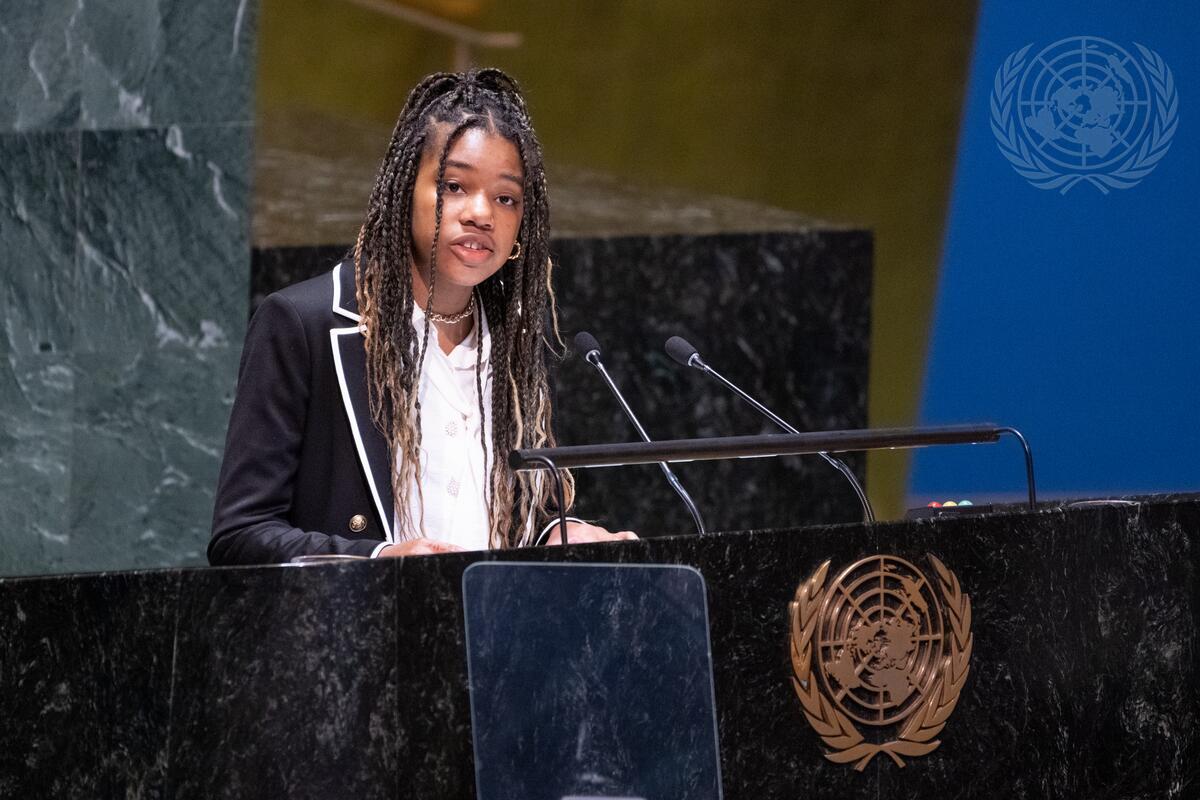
[767,446]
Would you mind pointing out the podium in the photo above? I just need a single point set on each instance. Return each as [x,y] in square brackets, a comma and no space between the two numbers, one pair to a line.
[391,678]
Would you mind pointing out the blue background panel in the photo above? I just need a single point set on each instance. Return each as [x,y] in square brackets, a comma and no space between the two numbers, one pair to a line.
[1070,316]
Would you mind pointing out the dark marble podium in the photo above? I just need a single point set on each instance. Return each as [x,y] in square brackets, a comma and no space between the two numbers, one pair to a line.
[350,680]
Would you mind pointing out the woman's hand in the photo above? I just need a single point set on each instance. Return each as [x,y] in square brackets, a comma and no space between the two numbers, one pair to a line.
[418,547]
[580,532]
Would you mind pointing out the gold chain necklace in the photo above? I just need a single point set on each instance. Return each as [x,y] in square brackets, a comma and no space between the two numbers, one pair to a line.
[453,319]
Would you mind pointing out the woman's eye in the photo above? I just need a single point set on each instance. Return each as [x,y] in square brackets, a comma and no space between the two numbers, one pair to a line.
[452,186]
[507,200]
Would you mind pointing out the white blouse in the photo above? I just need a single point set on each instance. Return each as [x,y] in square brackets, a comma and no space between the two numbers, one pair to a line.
[450,506]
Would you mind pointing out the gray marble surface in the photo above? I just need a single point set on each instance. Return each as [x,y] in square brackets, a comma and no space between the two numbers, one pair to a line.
[69,64]
[125,143]
[39,62]
[351,680]
[39,190]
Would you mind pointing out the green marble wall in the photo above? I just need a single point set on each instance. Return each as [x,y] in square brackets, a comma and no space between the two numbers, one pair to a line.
[125,153]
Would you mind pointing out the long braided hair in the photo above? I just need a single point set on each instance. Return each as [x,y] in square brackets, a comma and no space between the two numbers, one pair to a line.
[518,301]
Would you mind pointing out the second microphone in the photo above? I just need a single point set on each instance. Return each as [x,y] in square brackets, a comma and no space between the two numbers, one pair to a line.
[589,348]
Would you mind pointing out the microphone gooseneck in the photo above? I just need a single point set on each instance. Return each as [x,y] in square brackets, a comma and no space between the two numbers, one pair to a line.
[587,345]
[681,351]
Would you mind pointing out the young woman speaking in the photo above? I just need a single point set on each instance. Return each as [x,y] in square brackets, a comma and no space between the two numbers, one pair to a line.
[377,404]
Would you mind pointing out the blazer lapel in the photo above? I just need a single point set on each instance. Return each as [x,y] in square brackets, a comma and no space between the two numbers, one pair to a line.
[350,361]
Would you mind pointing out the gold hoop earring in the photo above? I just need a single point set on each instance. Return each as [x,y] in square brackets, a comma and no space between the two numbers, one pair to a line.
[517,254]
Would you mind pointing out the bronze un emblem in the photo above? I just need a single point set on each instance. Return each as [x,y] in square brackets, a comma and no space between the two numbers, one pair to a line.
[881,651]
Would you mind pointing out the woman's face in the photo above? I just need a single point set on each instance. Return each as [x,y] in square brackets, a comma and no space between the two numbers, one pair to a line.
[481,208]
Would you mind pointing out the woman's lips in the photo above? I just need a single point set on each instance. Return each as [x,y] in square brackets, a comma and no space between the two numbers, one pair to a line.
[471,255]
[472,248]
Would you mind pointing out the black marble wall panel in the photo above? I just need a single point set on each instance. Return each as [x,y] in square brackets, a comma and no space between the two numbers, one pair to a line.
[272,268]
[85,684]
[297,721]
[351,679]
[786,315]
[1087,630]
[124,214]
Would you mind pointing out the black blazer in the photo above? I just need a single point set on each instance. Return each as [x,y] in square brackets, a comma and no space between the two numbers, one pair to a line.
[304,465]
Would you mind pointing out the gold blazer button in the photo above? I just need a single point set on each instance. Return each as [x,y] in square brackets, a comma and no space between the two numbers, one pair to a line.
[358,523]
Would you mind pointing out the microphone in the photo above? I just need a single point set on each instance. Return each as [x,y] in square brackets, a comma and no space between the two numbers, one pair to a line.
[586,344]
[681,351]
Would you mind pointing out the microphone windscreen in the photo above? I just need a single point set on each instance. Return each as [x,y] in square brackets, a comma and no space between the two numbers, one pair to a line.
[586,343]
[679,349]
